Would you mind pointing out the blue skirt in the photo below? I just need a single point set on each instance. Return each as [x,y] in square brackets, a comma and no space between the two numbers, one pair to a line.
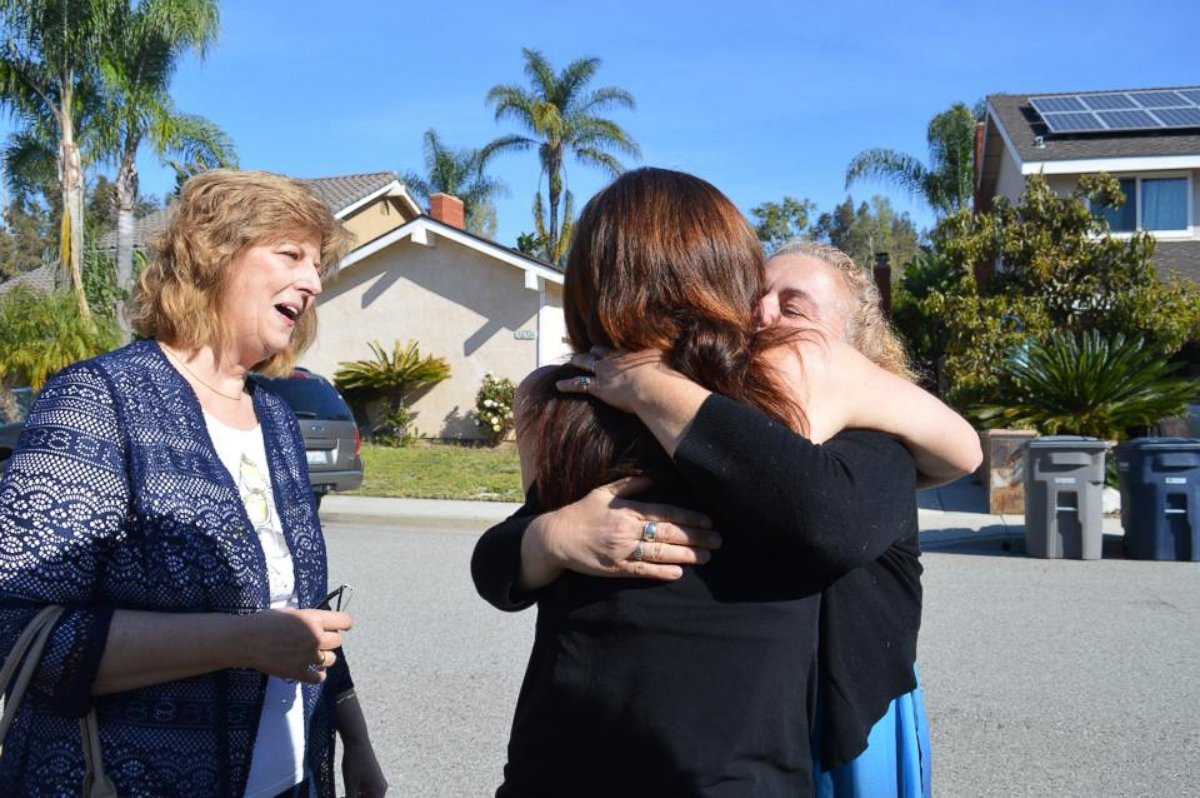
[898,760]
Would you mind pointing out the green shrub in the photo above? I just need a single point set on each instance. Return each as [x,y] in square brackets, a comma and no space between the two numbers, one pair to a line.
[397,378]
[1087,385]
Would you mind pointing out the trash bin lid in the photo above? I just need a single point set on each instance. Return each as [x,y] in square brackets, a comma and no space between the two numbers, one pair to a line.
[1161,444]
[1068,442]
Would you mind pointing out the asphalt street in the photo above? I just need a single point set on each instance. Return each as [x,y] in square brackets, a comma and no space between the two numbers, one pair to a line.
[1042,677]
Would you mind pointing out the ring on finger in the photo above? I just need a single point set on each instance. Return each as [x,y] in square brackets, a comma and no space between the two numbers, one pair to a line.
[649,531]
[639,551]
[584,383]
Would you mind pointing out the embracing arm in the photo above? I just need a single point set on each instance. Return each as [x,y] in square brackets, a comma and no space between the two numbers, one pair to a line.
[859,394]
[824,503]
[827,505]
[594,535]
[838,387]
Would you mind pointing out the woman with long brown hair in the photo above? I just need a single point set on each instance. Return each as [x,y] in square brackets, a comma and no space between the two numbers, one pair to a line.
[700,684]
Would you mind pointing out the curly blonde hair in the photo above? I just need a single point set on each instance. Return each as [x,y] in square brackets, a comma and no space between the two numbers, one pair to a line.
[867,330]
[218,215]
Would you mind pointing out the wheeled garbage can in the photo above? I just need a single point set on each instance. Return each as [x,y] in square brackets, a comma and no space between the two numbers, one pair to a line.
[1064,493]
[1160,498]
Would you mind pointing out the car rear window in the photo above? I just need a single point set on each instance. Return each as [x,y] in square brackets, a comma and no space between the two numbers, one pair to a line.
[310,398]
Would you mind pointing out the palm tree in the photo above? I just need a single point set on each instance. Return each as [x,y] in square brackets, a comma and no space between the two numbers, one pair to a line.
[948,182]
[457,172]
[559,110]
[137,71]
[48,66]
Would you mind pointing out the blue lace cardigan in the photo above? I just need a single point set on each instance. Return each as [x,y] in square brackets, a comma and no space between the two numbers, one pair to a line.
[115,499]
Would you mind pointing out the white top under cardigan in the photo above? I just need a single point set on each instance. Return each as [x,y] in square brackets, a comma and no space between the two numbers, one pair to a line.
[278,758]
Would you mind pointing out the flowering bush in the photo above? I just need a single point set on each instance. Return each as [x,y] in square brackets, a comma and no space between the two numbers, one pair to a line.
[494,407]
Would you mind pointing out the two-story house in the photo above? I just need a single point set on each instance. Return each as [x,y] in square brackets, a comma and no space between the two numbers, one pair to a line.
[1147,138]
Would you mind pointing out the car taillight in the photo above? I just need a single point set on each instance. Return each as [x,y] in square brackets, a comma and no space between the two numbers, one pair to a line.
[357,442]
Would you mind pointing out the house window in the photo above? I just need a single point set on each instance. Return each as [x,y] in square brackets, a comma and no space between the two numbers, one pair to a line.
[1151,203]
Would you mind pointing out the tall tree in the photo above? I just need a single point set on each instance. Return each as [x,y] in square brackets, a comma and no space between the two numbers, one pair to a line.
[1061,271]
[781,222]
[947,183]
[560,112]
[461,173]
[48,66]
[150,39]
[867,228]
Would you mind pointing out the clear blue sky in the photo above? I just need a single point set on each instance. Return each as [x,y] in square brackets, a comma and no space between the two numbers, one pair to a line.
[762,97]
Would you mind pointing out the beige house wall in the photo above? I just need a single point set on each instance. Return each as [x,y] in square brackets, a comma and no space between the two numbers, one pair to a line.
[457,303]
[1010,182]
[368,224]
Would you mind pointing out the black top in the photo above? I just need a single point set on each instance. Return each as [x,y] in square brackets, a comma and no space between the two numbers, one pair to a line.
[705,685]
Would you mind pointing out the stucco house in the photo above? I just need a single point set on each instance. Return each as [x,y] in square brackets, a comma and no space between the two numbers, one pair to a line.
[1147,138]
[416,275]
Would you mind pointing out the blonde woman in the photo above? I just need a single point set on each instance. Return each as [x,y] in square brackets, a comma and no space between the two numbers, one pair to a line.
[163,498]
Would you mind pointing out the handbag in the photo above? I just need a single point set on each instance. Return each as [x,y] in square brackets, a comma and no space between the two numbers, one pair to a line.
[25,654]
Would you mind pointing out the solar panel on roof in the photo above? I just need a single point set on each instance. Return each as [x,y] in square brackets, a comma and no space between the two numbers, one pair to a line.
[1063,123]
[1179,117]
[1107,102]
[1120,110]
[1158,99]
[1126,120]
[1058,104]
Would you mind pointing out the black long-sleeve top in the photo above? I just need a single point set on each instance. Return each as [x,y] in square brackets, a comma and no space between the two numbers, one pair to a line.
[704,685]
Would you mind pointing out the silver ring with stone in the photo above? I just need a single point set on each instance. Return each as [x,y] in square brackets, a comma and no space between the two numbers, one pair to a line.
[649,531]
[584,383]
[639,551]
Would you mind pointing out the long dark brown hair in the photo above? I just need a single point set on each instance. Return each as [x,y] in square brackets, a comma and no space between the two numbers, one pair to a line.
[660,260]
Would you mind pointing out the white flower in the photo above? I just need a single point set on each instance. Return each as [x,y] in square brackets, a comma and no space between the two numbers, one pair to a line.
[488,403]
[496,427]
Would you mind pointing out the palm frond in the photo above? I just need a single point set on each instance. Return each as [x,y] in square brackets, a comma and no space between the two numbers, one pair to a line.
[888,166]
[1089,385]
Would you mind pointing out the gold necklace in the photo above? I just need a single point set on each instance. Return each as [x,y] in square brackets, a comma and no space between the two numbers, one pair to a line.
[200,379]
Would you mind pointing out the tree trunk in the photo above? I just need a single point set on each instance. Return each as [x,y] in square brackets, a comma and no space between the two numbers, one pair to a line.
[554,171]
[72,194]
[126,199]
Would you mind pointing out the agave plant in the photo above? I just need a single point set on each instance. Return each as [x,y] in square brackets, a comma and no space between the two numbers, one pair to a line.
[398,376]
[1088,385]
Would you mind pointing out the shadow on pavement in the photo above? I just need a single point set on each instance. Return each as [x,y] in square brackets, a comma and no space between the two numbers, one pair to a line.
[1000,541]
[989,541]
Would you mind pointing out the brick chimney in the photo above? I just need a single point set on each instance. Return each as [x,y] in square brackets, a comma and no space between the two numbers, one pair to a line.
[883,280]
[448,209]
[982,204]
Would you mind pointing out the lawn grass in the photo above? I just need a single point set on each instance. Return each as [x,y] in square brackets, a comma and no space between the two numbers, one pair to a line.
[426,470]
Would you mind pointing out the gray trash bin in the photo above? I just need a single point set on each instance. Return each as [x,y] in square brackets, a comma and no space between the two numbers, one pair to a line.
[1160,498]
[1064,492]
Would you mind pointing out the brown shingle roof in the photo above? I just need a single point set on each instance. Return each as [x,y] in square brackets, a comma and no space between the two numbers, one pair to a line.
[1023,124]
[343,191]
[337,192]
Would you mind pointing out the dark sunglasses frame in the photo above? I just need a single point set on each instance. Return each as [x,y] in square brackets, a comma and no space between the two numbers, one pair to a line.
[338,599]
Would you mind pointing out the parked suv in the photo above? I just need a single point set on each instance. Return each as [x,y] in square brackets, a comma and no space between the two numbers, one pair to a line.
[331,438]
